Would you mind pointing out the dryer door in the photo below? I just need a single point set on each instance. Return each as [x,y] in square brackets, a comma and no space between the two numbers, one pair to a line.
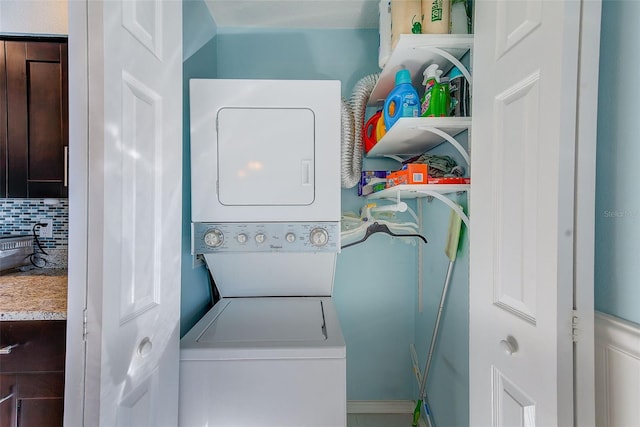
[251,170]
[265,150]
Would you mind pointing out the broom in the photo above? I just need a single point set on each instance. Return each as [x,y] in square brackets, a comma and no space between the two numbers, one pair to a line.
[451,249]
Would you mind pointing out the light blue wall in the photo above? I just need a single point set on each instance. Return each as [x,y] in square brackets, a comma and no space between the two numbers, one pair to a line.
[617,268]
[448,384]
[375,286]
[200,63]
[345,55]
[198,27]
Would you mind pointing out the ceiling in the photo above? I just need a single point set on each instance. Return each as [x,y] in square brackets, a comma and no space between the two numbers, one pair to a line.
[306,14]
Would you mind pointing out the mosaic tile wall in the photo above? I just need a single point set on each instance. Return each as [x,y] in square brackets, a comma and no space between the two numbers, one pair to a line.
[18,216]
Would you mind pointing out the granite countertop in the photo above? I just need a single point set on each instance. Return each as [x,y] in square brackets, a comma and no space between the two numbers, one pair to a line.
[38,294]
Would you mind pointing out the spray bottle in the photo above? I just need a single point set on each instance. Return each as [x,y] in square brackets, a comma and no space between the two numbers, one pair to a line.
[431,105]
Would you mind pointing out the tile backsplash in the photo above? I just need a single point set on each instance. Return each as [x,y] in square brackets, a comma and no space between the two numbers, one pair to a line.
[18,216]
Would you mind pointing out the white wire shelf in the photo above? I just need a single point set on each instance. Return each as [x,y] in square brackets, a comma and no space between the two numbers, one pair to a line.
[411,136]
[414,191]
[415,52]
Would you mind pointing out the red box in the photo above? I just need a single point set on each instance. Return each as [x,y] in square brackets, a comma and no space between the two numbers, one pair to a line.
[412,173]
[449,180]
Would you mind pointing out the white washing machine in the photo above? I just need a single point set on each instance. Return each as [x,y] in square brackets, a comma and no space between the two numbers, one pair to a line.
[265,173]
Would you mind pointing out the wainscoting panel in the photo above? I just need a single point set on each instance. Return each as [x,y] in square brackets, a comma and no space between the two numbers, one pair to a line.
[617,364]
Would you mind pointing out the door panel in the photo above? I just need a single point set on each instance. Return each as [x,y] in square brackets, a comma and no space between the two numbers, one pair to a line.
[135,151]
[515,179]
[37,118]
[138,405]
[140,198]
[3,122]
[17,126]
[521,280]
[515,21]
[511,405]
[45,112]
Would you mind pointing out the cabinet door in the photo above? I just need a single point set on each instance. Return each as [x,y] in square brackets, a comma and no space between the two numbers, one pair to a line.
[41,412]
[39,345]
[37,122]
[3,123]
[40,402]
[8,398]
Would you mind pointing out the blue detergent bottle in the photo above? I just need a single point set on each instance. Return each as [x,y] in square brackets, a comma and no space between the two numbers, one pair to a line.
[403,100]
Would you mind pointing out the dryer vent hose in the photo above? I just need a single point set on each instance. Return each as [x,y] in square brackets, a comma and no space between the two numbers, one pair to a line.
[353,112]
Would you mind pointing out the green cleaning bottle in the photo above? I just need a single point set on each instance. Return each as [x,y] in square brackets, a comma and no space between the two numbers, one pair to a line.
[431,105]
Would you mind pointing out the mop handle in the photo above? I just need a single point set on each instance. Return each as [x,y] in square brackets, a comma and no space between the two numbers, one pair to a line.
[436,329]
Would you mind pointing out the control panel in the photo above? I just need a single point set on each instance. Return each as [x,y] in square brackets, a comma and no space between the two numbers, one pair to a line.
[210,237]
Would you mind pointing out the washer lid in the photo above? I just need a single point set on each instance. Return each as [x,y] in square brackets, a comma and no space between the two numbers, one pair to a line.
[266,328]
[253,320]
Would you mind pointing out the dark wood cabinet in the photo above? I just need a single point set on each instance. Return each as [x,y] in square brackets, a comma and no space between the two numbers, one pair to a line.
[8,400]
[3,123]
[34,115]
[32,373]
[40,400]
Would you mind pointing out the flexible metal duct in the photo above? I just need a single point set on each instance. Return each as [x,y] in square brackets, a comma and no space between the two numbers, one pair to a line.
[353,112]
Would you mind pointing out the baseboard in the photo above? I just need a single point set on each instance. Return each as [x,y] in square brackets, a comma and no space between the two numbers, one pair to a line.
[380,406]
[617,366]
[383,407]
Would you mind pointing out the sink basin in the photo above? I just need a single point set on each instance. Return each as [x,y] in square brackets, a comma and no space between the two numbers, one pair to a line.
[15,251]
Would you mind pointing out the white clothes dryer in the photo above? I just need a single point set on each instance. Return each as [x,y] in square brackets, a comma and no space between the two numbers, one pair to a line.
[265,176]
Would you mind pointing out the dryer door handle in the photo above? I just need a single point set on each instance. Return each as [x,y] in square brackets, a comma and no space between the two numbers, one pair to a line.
[306,172]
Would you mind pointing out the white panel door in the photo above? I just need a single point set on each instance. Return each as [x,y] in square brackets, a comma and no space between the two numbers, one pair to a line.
[522,202]
[134,212]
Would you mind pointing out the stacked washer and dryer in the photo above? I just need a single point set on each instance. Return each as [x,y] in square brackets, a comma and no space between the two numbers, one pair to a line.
[265,171]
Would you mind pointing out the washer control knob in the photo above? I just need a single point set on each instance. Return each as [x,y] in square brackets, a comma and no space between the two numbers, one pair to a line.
[213,238]
[241,238]
[260,238]
[319,237]
[291,237]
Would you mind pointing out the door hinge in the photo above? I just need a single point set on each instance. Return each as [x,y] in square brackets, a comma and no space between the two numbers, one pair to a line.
[84,324]
[575,326]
